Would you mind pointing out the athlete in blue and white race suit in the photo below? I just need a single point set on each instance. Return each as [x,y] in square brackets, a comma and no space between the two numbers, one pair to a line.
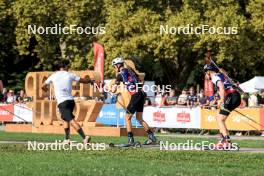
[230,100]
[136,104]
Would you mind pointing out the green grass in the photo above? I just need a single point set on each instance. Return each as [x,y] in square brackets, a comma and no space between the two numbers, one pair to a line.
[53,137]
[17,160]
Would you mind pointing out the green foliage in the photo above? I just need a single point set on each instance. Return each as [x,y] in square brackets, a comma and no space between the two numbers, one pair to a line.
[49,47]
[133,31]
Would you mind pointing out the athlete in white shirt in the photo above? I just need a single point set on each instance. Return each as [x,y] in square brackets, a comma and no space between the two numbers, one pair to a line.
[62,82]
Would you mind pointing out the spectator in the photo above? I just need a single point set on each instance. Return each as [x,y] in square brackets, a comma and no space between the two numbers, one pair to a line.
[216,103]
[21,96]
[11,98]
[160,98]
[4,95]
[253,100]
[183,98]
[19,99]
[147,102]
[244,100]
[261,103]
[1,86]
[1,91]
[171,99]
[192,98]
[261,98]
[203,100]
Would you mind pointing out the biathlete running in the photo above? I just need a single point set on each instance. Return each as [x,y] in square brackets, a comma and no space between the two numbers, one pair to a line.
[62,82]
[134,86]
[230,100]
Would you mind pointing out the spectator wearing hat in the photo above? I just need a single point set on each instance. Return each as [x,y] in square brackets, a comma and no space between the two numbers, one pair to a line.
[11,98]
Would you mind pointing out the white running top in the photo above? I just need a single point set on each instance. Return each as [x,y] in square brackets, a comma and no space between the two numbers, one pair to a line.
[62,82]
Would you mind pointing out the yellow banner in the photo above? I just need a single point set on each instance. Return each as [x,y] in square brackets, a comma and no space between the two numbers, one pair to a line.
[235,121]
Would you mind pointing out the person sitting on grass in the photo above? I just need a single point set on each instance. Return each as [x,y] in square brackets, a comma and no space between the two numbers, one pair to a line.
[62,82]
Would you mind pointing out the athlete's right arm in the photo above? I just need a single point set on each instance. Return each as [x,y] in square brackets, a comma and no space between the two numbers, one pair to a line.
[81,80]
[86,81]
[45,85]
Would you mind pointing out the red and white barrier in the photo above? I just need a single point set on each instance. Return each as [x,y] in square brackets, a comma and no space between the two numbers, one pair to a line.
[171,117]
[15,113]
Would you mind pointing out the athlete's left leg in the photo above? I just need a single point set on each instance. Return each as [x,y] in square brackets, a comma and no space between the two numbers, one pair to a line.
[66,126]
[78,128]
[151,136]
[232,101]
[141,121]
[129,129]
[220,118]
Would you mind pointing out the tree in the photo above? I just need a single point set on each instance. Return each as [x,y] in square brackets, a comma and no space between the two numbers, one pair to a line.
[49,47]
[133,30]
[13,68]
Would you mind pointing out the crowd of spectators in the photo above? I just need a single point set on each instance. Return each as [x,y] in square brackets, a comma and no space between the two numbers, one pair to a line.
[185,98]
[189,98]
[10,97]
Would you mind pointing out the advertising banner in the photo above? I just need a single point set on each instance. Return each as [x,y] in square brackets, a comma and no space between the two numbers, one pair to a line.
[235,121]
[172,117]
[21,111]
[15,113]
[110,115]
[6,112]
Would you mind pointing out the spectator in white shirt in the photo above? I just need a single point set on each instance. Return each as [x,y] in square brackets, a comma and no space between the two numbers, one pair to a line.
[11,98]
[253,100]
[182,100]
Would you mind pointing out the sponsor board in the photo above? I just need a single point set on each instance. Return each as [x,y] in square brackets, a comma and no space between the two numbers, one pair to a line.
[172,117]
[235,121]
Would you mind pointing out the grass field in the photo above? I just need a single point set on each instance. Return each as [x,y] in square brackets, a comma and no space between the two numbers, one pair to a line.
[17,160]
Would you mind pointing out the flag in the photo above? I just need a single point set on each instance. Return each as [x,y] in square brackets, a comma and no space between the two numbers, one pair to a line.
[99,59]
[208,87]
